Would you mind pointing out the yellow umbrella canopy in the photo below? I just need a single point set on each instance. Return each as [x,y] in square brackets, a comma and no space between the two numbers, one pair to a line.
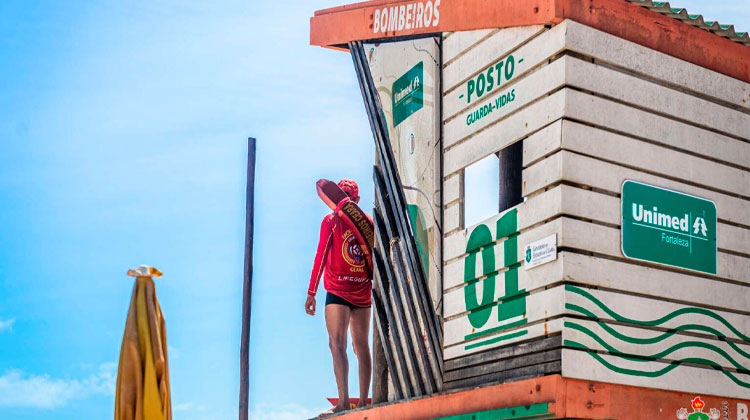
[142,391]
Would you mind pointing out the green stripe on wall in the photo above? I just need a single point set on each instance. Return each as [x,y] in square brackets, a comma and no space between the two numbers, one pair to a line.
[656,322]
[533,411]
[672,331]
[497,339]
[660,355]
[496,329]
[655,374]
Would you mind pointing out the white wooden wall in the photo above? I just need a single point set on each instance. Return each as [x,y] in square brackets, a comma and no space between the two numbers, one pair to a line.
[594,110]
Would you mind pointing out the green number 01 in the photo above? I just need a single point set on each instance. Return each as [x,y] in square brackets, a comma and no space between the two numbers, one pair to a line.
[480,311]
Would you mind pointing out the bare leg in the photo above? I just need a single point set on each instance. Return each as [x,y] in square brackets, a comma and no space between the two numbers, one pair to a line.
[337,320]
[359,325]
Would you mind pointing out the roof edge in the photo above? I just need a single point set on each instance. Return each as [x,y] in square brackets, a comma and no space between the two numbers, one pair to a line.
[337,26]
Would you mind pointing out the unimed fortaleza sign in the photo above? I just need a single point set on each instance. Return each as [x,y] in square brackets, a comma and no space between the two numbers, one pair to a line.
[668,227]
[408,94]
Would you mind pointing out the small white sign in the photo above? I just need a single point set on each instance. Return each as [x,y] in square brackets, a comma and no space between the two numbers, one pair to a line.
[540,252]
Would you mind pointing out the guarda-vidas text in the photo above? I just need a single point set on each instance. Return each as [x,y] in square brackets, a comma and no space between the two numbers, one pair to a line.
[487,108]
[420,14]
[492,77]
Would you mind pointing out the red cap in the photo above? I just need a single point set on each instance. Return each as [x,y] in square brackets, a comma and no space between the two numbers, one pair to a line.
[349,187]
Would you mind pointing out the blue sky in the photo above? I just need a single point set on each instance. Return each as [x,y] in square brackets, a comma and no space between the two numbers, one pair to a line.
[123,128]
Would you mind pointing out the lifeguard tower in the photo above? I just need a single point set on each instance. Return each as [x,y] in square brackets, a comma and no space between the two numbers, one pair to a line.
[613,281]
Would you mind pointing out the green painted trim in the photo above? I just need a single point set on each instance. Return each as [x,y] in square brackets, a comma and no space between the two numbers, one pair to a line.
[518,294]
[505,299]
[495,329]
[507,224]
[499,270]
[657,322]
[479,310]
[647,374]
[510,250]
[471,293]
[533,411]
[671,332]
[660,355]
[497,339]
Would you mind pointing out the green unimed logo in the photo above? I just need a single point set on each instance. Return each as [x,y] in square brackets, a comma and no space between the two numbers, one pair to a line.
[668,227]
[408,94]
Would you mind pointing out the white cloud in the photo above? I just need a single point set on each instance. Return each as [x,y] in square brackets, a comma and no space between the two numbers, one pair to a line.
[188,406]
[290,411]
[173,352]
[7,325]
[19,389]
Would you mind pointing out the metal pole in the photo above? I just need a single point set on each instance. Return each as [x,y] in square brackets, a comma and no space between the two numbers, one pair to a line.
[247,289]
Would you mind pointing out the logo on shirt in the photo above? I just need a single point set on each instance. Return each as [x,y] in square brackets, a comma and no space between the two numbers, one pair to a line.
[352,253]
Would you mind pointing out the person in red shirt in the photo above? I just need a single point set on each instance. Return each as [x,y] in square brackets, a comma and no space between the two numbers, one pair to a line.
[341,263]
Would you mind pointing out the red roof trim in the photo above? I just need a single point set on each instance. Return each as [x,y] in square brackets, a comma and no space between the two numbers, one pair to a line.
[339,25]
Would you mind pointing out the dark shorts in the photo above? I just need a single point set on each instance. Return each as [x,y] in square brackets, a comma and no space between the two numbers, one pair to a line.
[337,300]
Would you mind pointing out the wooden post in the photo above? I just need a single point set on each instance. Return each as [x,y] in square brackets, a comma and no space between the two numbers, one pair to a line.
[511,166]
[379,365]
[247,290]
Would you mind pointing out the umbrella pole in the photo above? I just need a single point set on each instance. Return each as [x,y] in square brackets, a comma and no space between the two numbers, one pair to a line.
[248,282]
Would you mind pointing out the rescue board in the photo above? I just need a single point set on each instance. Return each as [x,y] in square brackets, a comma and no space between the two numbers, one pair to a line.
[352,216]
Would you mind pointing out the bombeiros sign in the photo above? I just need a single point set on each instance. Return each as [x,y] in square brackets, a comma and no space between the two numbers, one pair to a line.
[419,14]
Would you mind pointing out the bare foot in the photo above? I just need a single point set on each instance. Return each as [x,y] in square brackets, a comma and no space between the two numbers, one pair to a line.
[362,403]
[337,409]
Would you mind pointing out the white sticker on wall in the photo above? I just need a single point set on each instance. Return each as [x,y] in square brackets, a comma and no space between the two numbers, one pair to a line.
[540,252]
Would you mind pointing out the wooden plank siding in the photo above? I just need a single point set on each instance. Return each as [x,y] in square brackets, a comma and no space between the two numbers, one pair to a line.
[594,110]
[662,375]
[656,66]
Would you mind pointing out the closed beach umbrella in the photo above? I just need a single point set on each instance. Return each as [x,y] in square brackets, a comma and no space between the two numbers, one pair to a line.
[142,391]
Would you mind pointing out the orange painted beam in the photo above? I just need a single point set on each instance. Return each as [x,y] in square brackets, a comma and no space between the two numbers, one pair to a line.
[567,398]
[364,21]
[662,33]
[513,394]
[357,22]
[597,400]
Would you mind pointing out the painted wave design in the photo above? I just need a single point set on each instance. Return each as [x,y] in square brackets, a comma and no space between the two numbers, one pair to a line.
[742,368]
[660,321]
[664,336]
[655,374]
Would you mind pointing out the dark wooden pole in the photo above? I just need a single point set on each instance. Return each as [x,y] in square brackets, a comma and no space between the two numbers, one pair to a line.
[511,182]
[379,364]
[247,289]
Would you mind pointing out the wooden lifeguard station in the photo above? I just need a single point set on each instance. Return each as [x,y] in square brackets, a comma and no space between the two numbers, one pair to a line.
[614,279]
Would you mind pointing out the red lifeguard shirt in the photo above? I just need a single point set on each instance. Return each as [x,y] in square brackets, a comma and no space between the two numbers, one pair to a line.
[340,256]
